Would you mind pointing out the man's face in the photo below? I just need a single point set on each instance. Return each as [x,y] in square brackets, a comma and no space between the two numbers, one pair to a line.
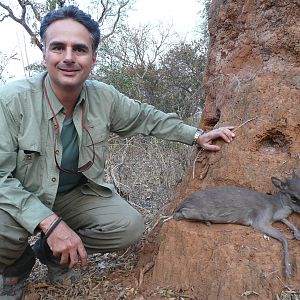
[68,54]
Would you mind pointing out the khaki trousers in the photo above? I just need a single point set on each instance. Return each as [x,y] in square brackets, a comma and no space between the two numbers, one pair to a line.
[103,223]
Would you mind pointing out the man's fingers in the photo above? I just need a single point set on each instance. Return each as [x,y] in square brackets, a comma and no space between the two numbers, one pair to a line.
[226,136]
[64,259]
[73,259]
[223,132]
[229,133]
[229,127]
[211,147]
[83,257]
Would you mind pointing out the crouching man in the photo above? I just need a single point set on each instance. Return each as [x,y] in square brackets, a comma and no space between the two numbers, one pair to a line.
[54,131]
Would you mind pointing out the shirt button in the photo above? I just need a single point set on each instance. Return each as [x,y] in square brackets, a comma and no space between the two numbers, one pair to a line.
[56,152]
[53,179]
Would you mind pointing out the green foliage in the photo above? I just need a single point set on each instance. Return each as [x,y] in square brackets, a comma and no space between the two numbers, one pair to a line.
[35,68]
[181,81]
[203,21]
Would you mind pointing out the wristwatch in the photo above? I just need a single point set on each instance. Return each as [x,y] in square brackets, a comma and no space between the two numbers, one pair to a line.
[198,133]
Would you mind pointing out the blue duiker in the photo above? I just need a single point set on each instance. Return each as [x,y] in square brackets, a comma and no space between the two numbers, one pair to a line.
[231,204]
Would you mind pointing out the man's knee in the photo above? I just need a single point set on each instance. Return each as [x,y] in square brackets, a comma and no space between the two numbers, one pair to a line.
[119,234]
[134,231]
[13,239]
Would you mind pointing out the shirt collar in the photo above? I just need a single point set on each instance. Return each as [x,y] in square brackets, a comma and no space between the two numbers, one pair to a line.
[56,104]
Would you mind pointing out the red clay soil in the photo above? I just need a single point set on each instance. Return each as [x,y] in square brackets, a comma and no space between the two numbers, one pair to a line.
[252,78]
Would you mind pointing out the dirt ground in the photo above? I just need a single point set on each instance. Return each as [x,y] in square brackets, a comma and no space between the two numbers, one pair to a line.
[125,274]
[111,276]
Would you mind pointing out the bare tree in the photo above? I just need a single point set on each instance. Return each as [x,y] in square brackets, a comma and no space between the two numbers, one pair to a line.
[131,57]
[182,70]
[9,11]
[112,11]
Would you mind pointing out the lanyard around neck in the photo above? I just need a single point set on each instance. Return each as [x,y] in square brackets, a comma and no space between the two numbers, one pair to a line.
[57,128]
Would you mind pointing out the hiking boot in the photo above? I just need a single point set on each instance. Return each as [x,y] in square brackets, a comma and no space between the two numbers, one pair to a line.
[12,278]
[11,288]
[56,272]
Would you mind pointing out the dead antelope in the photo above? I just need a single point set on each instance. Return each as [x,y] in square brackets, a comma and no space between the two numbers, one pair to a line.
[230,204]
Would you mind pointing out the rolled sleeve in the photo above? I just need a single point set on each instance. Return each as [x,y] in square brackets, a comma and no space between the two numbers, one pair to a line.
[132,117]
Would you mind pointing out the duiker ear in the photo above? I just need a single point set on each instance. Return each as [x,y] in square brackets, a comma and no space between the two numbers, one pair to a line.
[279,184]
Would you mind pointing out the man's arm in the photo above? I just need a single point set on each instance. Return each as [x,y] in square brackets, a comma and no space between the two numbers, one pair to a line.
[21,204]
[131,117]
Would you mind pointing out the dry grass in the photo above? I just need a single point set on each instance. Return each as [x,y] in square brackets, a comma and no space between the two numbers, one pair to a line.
[96,283]
[146,171]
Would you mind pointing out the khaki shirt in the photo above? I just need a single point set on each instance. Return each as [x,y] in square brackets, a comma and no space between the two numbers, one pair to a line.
[28,174]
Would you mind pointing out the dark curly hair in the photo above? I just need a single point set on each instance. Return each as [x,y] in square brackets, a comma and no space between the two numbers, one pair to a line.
[72,12]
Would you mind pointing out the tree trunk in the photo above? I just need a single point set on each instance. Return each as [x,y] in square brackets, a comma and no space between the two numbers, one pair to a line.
[252,78]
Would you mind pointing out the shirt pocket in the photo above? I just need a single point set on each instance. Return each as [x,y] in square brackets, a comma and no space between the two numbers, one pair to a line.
[30,167]
[95,134]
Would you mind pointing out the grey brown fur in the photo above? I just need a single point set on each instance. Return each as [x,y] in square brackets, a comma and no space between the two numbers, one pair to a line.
[230,204]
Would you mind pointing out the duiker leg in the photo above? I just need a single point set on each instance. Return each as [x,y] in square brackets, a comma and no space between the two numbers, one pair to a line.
[276,234]
[295,230]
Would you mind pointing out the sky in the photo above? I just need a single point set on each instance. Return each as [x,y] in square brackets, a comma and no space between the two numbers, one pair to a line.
[182,15]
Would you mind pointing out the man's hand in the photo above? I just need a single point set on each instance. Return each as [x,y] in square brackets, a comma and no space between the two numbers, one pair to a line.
[65,243]
[205,141]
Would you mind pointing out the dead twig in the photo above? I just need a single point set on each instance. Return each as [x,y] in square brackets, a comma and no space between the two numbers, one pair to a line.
[143,271]
[194,163]
[162,218]
[182,297]
[236,128]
